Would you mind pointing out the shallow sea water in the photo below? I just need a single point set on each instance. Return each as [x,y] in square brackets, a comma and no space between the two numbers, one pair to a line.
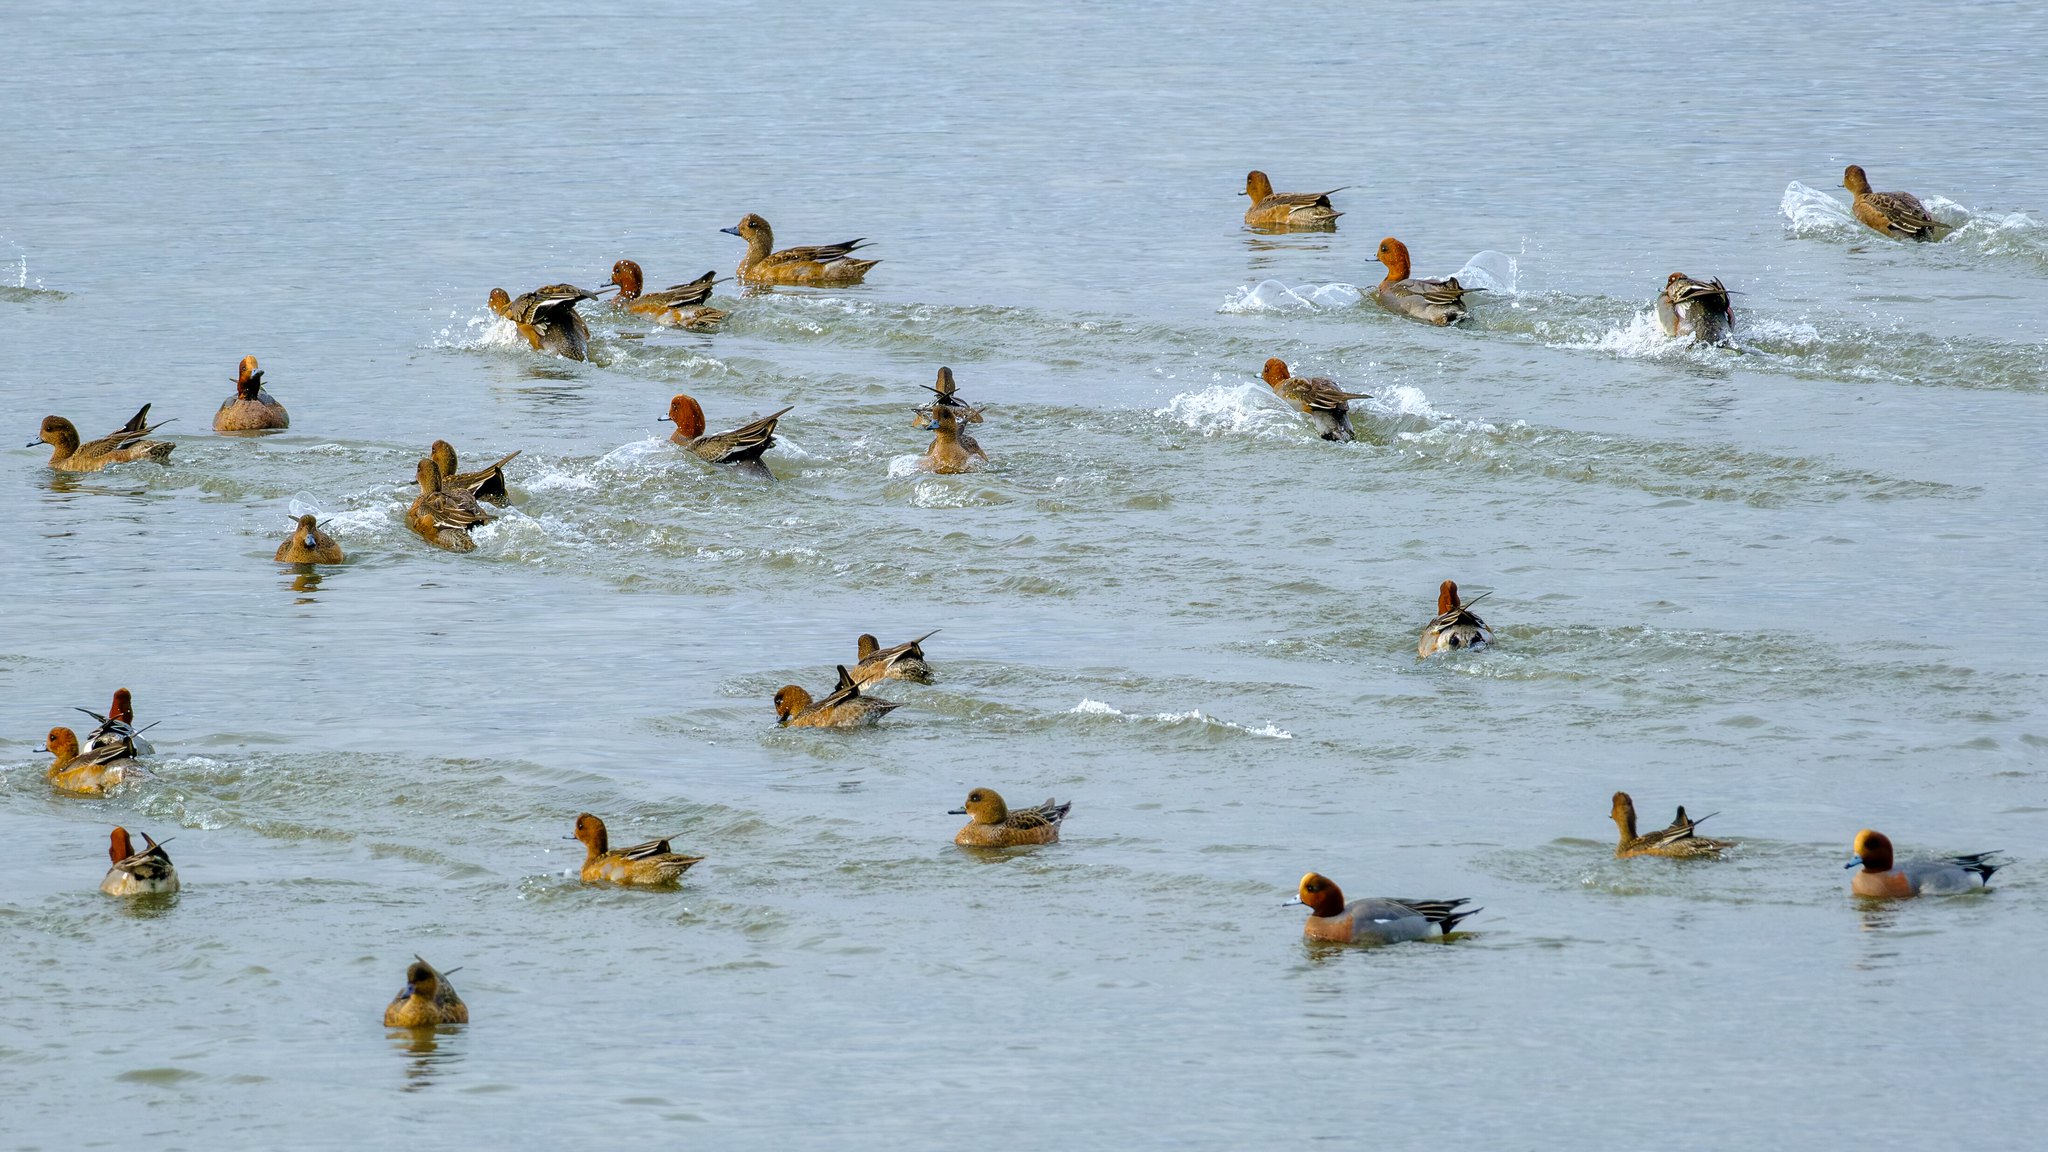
[1798,583]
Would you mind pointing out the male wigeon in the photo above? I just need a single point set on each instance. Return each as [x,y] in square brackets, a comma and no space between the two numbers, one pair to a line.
[827,264]
[903,662]
[443,516]
[1455,624]
[426,1000]
[145,873]
[1949,876]
[546,317]
[130,442]
[86,773]
[1327,405]
[1896,214]
[844,707]
[648,864]
[993,824]
[1677,841]
[250,409]
[742,446]
[1438,302]
[1291,210]
[117,727]
[1696,308]
[1375,919]
[308,544]
[680,306]
[486,483]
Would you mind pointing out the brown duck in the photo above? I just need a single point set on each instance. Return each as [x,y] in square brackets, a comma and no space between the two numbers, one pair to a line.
[1696,308]
[309,545]
[742,445]
[1678,840]
[992,824]
[1438,302]
[827,264]
[1299,211]
[1455,625]
[441,515]
[250,409]
[547,318]
[682,306]
[652,863]
[486,483]
[426,1000]
[1326,404]
[130,442]
[1896,214]
[845,707]
[903,662]
[88,773]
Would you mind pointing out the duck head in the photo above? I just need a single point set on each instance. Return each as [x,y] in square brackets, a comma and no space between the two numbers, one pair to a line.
[687,416]
[790,699]
[1256,186]
[1274,372]
[626,275]
[443,455]
[118,847]
[1873,850]
[1447,597]
[1855,181]
[1321,894]
[59,434]
[984,807]
[308,532]
[867,646]
[1624,814]
[123,707]
[591,831]
[753,230]
[420,980]
[1394,255]
[429,476]
[61,743]
[249,380]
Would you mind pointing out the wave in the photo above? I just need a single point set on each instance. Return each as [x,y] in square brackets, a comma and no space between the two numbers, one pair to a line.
[1195,716]
[1813,214]
[1486,271]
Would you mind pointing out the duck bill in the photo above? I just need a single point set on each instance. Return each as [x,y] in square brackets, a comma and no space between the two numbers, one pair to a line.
[1853,862]
[730,231]
[956,811]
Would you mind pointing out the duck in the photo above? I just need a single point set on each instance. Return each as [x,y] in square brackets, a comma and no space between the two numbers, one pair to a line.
[1300,210]
[129,443]
[680,306]
[1899,215]
[946,394]
[1696,308]
[443,516]
[1455,625]
[117,727]
[993,824]
[742,445]
[1677,841]
[486,483]
[85,773]
[309,545]
[845,707]
[1948,876]
[250,409]
[1319,396]
[1438,302]
[651,863]
[426,1000]
[145,873]
[828,264]
[903,662]
[1376,919]
[951,451]
[547,318]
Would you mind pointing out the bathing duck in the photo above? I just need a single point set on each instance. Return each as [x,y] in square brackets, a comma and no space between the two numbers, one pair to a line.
[1326,404]
[308,545]
[426,1000]
[946,394]
[650,863]
[86,773]
[742,445]
[992,824]
[1438,302]
[130,442]
[117,727]
[903,662]
[1677,840]
[547,318]
[145,873]
[1374,920]
[845,707]
[828,264]
[1272,209]
[486,483]
[682,306]
[441,515]
[951,451]
[250,409]
[1695,308]
[1949,876]
[1896,214]
[1454,626]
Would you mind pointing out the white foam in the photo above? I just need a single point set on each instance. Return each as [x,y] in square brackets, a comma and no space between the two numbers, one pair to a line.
[1401,400]
[1273,296]
[902,466]
[1492,272]
[1811,212]
[1088,707]
[478,330]
[1231,409]
[303,504]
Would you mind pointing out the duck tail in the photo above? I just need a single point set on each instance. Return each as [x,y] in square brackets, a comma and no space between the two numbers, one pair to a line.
[1445,914]
[1980,863]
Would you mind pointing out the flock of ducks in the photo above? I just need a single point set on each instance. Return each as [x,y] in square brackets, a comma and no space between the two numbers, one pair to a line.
[451,502]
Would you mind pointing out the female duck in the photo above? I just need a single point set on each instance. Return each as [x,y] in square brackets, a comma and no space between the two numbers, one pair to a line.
[426,1000]
[1455,624]
[903,662]
[1896,214]
[309,545]
[1677,841]
[742,445]
[250,409]
[845,707]
[145,873]
[547,318]
[651,863]
[1374,920]
[1882,877]
[85,773]
[443,516]
[1319,396]
[131,442]
[118,728]
[824,265]
[1437,302]
[682,306]
[1696,308]
[486,483]
[992,824]
[1288,210]
[951,451]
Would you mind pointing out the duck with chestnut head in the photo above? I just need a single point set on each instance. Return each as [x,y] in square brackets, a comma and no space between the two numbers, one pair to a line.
[250,409]
[1438,302]
[1880,875]
[1375,919]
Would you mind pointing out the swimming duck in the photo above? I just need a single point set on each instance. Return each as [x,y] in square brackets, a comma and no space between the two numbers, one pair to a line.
[681,306]
[441,515]
[1326,404]
[1676,841]
[486,483]
[1695,308]
[250,409]
[1438,302]
[650,863]
[117,727]
[1272,209]
[308,545]
[844,707]
[1949,876]
[547,318]
[426,1000]
[1896,214]
[742,445]
[903,662]
[951,451]
[992,824]
[1454,626]
[1376,919]
[827,264]
[86,773]
[946,394]
[130,442]
[145,873]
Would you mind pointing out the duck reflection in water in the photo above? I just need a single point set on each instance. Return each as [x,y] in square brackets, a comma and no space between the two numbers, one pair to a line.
[431,1053]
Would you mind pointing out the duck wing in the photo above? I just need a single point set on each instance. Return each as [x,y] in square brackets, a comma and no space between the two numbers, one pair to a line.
[819,254]
[742,443]
[684,295]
